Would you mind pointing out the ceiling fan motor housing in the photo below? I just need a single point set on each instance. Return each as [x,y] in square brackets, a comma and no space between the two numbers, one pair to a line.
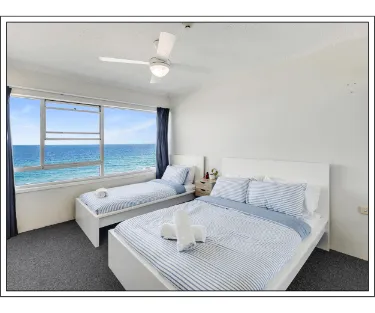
[159,61]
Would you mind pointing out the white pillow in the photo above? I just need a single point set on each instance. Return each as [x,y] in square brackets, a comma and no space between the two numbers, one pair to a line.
[312,195]
[175,174]
[190,176]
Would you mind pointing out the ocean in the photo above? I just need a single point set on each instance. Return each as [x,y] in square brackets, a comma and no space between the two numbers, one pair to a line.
[117,159]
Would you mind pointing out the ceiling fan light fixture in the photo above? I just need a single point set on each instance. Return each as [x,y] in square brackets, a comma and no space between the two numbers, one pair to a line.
[159,69]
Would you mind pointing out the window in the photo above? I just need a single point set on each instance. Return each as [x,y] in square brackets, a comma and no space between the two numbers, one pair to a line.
[55,141]
[25,131]
[130,138]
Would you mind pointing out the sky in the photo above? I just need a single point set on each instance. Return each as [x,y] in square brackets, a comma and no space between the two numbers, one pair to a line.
[120,126]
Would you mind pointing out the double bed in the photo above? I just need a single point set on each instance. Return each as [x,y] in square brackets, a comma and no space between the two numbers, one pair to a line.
[124,202]
[246,248]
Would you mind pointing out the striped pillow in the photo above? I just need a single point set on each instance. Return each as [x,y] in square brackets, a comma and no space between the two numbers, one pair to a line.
[283,198]
[190,175]
[231,188]
[175,174]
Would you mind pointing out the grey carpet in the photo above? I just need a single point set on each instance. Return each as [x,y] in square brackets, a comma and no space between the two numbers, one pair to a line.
[332,271]
[60,257]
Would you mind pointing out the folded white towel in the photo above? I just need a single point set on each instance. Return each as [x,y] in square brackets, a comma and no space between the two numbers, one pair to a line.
[168,231]
[200,232]
[101,193]
[184,232]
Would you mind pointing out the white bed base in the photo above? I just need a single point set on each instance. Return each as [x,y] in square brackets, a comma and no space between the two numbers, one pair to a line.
[136,273]
[91,223]
[290,270]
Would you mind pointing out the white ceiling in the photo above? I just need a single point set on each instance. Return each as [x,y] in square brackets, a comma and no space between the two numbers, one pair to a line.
[206,50]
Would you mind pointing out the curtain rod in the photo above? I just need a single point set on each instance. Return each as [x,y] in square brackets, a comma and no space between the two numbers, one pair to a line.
[78,96]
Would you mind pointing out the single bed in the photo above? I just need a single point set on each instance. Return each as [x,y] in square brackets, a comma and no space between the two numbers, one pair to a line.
[93,213]
[280,251]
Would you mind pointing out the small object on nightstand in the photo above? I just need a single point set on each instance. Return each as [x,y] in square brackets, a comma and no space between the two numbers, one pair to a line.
[207,176]
[214,173]
[203,187]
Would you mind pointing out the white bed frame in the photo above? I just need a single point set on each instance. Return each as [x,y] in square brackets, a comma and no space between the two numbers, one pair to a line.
[91,223]
[136,273]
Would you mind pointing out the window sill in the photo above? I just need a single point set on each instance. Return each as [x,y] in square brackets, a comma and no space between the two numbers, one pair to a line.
[69,183]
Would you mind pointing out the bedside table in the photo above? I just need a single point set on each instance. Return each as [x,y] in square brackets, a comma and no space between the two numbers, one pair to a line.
[203,187]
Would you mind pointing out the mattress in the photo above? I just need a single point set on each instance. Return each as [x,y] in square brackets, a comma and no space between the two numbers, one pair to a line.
[128,196]
[242,251]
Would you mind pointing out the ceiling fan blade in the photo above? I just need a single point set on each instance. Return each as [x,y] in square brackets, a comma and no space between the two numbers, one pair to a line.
[155,79]
[165,45]
[114,60]
[190,68]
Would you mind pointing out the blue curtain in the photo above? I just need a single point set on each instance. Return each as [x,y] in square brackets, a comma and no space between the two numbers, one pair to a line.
[162,157]
[11,195]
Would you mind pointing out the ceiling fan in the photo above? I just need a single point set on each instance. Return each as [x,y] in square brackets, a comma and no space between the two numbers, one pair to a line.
[160,64]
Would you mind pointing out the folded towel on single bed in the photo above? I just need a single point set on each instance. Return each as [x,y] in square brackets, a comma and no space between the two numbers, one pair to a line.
[101,193]
[184,232]
[168,231]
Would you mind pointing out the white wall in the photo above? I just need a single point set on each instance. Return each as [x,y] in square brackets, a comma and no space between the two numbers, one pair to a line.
[302,110]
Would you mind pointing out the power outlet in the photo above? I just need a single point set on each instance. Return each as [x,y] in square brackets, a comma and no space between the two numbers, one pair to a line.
[363,210]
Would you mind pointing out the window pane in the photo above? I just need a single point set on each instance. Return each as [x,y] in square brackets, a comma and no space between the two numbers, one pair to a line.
[70,121]
[128,157]
[25,131]
[129,138]
[72,136]
[46,176]
[70,151]
[62,105]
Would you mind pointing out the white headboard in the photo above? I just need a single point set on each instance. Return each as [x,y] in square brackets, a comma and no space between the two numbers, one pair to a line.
[190,160]
[312,173]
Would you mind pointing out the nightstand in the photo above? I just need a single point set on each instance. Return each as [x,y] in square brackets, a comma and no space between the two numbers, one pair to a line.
[203,187]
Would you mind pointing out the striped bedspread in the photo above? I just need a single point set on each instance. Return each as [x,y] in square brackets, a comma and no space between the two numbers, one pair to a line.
[242,251]
[128,196]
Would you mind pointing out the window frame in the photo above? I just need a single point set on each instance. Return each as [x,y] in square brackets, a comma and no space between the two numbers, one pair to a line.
[43,138]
